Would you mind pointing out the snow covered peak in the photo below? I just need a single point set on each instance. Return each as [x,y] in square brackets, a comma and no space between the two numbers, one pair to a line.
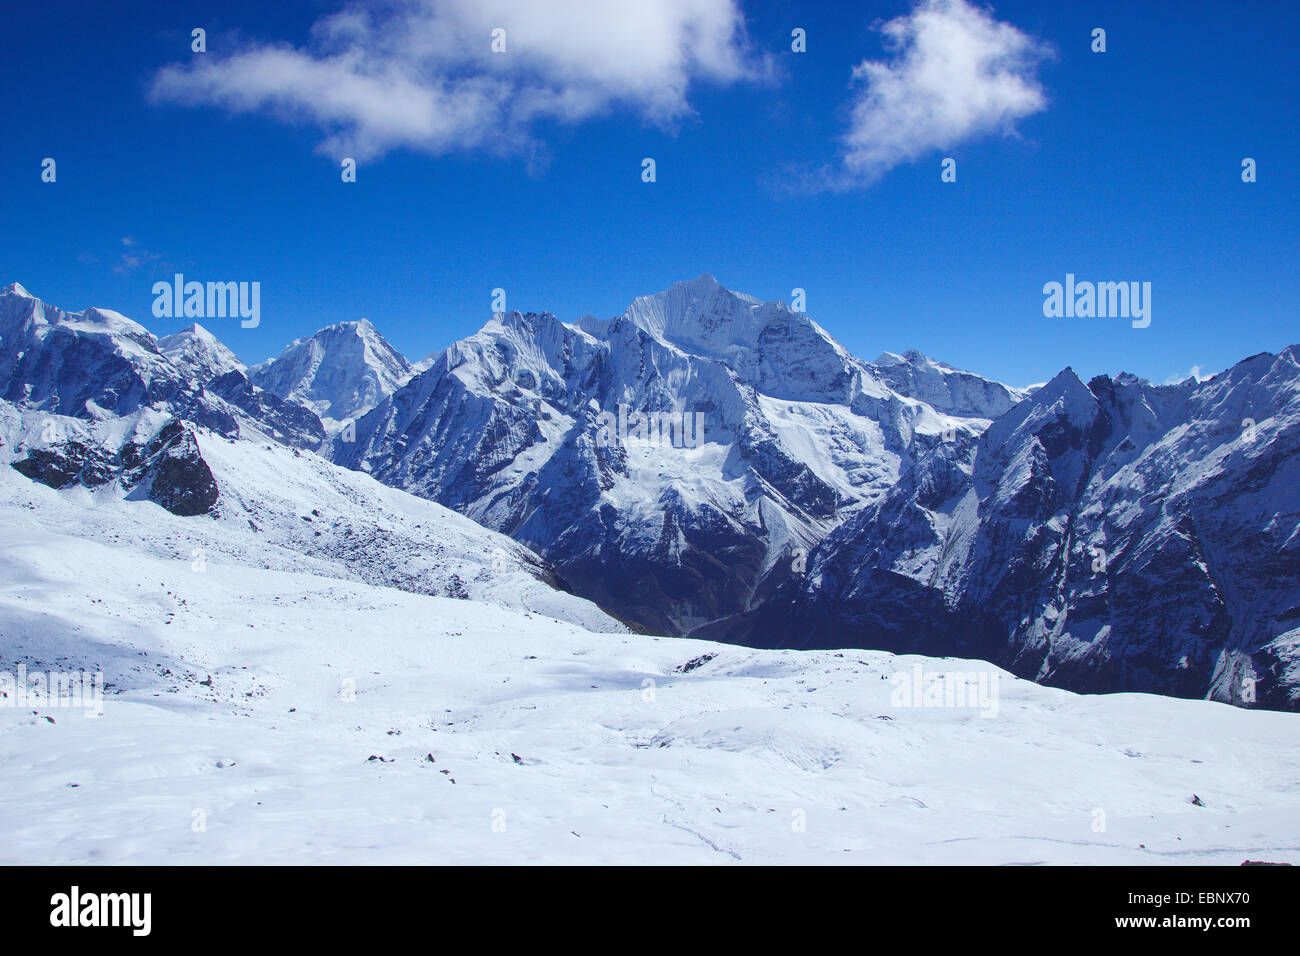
[107,320]
[526,323]
[340,372]
[701,315]
[1064,399]
[198,332]
[791,434]
[780,352]
[1066,386]
[947,389]
[21,306]
[362,329]
[18,307]
[86,363]
[912,357]
[199,351]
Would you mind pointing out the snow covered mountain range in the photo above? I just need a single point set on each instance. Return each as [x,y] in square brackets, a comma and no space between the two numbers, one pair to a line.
[708,463]
[175,422]
[1114,535]
[674,463]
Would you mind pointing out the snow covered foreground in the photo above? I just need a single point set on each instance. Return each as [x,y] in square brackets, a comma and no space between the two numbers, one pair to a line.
[752,756]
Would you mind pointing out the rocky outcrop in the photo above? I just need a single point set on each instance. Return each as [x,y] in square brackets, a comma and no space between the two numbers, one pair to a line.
[167,467]
[177,477]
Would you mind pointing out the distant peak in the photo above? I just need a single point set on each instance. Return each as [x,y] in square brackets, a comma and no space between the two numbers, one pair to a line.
[1128,378]
[703,286]
[705,280]
[1064,383]
[14,288]
[526,321]
[910,357]
[361,328]
[191,331]
[691,292]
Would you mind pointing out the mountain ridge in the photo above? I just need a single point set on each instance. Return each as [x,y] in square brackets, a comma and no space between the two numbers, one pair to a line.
[504,426]
[823,500]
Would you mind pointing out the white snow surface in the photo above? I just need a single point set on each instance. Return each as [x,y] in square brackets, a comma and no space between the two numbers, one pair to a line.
[288,510]
[564,745]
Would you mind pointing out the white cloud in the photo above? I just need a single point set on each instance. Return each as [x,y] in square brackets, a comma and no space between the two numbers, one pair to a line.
[133,257]
[955,73]
[421,73]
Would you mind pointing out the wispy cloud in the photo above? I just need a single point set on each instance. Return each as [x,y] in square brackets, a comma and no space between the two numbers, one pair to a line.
[955,73]
[422,74]
[132,257]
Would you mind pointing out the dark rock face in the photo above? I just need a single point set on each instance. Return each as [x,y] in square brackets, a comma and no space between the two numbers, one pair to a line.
[286,422]
[701,580]
[66,464]
[169,466]
[52,370]
[179,479]
[1117,536]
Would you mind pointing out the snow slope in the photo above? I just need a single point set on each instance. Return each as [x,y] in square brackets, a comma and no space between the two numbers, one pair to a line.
[285,509]
[277,716]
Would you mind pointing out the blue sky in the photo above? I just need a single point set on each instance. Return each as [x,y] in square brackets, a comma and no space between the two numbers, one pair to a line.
[1129,169]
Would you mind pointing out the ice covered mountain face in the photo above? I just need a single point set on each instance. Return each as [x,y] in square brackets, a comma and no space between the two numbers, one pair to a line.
[944,388]
[674,463]
[340,372]
[1111,536]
